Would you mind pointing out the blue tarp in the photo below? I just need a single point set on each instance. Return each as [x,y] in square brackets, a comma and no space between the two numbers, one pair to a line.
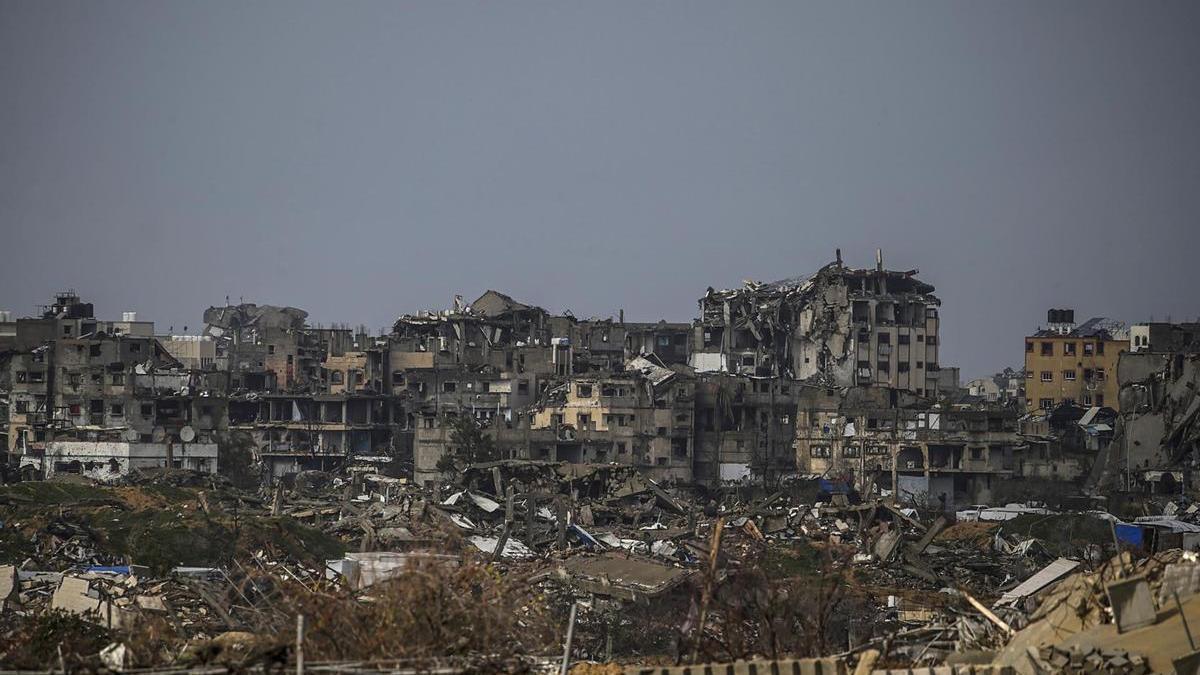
[1130,535]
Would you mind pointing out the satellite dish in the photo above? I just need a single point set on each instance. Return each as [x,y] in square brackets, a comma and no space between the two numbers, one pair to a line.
[187,434]
[159,435]
[131,435]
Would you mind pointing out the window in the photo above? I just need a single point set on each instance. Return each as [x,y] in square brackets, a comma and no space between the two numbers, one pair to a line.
[976,454]
[1069,375]
[1100,347]
[522,386]
[449,387]
[1047,376]
[75,379]
[556,419]
[23,407]
[135,347]
[22,376]
[97,378]
[1028,347]
[902,367]
[270,349]
[664,340]
[1087,374]
[931,340]
[883,367]
[1100,399]
[819,451]
[583,421]
[662,431]
[97,407]
[116,410]
[94,350]
[885,338]
[877,450]
[920,338]
[1089,348]
[1046,403]
[1086,399]
[118,379]
[748,360]
[621,447]
[147,409]
[1099,373]
[336,377]
[902,339]
[584,391]
[67,330]
[1047,349]
[75,409]
[1069,348]
[850,451]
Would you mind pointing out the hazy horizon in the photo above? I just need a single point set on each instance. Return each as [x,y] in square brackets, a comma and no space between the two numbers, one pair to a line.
[368,159]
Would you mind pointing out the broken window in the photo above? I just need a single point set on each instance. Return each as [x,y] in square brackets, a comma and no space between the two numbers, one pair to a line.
[748,360]
[621,447]
[1087,374]
[976,454]
[74,409]
[94,350]
[97,407]
[584,391]
[1100,347]
[661,431]
[270,349]
[116,410]
[1069,348]
[885,338]
[1100,399]
[449,387]
[1047,376]
[135,347]
[147,410]
[118,379]
[556,419]
[1047,349]
[902,367]
[583,421]
[336,377]
[23,407]
[902,339]
[931,340]
[522,386]
[920,338]
[1089,348]
[1028,347]
[883,367]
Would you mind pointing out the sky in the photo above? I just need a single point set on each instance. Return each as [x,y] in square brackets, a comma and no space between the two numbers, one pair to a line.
[363,160]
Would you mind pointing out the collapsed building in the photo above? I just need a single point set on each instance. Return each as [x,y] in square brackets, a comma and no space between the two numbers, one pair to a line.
[79,382]
[841,327]
[1158,431]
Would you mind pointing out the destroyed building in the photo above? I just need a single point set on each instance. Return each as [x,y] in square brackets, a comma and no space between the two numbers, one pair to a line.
[109,384]
[1158,431]
[944,455]
[840,327]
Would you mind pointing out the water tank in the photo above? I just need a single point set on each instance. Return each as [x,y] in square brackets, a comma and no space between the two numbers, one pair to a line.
[128,317]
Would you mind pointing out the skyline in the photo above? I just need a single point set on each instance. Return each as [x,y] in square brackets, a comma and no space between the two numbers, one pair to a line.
[374,159]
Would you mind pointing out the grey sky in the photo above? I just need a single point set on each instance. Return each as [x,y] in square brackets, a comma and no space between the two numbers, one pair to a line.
[362,160]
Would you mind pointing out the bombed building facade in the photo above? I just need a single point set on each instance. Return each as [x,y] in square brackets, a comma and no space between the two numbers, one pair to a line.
[836,373]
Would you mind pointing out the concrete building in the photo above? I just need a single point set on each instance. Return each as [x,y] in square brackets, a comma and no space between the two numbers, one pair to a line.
[940,456]
[111,460]
[842,327]
[1069,362]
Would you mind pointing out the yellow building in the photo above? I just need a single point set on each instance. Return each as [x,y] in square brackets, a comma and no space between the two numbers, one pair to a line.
[1066,362]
